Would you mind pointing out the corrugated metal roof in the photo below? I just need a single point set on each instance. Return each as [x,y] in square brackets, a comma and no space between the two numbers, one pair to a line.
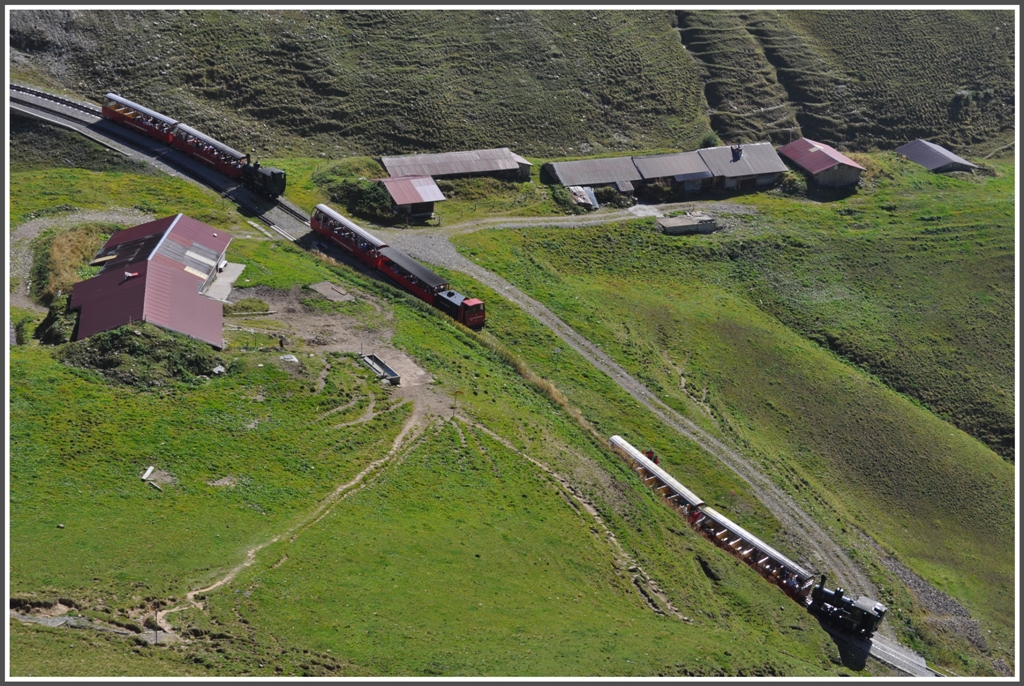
[407,190]
[157,226]
[453,163]
[756,159]
[930,155]
[171,258]
[173,302]
[140,108]
[109,300]
[687,165]
[815,157]
[212,141]
[410,265]
[600,171]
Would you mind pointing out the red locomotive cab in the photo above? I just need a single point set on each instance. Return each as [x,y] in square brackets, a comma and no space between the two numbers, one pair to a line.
[472,313]
[139,118]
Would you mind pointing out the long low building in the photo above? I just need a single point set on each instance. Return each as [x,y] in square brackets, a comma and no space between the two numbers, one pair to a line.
[604,171]
[156,272]
[727,167]
[743,166]
[687,168]
[495,161]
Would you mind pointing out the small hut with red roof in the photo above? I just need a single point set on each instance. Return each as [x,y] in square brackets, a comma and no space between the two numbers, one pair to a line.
[826,165]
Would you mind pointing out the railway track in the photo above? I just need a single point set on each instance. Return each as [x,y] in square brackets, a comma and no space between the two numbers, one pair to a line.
[64,102]
[54,105]
[880,648]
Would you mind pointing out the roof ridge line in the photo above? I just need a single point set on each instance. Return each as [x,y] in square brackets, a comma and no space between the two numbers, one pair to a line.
[164,237]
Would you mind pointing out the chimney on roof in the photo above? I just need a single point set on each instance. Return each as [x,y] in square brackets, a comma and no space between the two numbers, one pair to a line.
[737,152]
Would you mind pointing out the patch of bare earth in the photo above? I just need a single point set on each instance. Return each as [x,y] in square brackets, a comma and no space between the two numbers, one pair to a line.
[320,333]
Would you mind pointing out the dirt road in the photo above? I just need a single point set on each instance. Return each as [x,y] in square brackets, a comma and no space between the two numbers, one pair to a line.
[818,547]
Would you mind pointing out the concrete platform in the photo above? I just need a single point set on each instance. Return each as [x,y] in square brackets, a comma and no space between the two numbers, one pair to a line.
[220,289]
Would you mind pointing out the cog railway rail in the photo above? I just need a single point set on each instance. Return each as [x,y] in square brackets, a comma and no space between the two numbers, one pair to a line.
[87,120]
[90,118]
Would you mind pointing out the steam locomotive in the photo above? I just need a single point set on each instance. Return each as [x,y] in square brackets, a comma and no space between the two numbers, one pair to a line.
[861,616]
[268,181]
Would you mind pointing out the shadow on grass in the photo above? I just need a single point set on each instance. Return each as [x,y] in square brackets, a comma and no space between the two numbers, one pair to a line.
[853,651]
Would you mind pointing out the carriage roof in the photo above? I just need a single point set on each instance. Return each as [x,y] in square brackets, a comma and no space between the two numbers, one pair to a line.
[351,226]
[212,141]
[139,108]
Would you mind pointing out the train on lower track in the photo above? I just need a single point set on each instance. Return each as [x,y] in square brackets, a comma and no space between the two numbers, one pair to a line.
[397,266]
[860,617]
[268,181]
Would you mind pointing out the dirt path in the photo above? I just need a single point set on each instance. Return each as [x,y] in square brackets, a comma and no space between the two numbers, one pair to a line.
[413,428]
[20,253]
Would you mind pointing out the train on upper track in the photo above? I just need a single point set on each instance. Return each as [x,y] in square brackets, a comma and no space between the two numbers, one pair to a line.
[860,617]
[392,262]
[397,266]
[268,181]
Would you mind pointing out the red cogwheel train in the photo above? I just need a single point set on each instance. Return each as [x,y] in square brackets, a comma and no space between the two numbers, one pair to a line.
[397,266]
[269,181]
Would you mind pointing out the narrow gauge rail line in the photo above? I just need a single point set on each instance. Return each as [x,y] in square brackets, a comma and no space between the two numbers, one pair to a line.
[204,176]
[66,102]
[291,211]
[775,567]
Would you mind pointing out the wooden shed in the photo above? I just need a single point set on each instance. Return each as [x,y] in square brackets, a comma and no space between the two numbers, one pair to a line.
[412,195]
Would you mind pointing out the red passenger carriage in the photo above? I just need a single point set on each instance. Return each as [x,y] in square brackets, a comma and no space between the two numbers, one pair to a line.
[397,266]
[224,159]
[142,119]
[346,234]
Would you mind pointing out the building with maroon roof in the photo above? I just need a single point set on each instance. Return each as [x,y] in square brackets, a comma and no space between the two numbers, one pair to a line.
[826,165]
[156,272]
[412,195]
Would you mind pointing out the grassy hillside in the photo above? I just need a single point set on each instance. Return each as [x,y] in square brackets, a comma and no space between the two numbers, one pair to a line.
[378,82]
[684,314]
[410,538]
[865,79]
[544,83]
[53,171]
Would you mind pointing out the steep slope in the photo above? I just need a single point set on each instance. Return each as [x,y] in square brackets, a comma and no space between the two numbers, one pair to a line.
[546,83]
[382,82]
[865,79]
